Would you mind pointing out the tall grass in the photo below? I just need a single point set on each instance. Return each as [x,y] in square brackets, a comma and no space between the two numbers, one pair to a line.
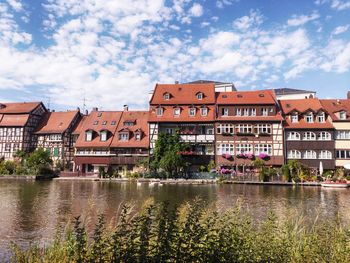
[194,233]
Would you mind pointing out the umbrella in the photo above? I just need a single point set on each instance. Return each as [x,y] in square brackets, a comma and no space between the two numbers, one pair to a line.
[321,168]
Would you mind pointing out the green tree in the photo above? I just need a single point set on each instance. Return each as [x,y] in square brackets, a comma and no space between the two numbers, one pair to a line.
[39,161]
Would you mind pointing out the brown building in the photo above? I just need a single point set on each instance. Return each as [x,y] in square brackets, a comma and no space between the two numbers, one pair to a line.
[309,133]
[249,124]
[54,134]
[188,109]
[18,122]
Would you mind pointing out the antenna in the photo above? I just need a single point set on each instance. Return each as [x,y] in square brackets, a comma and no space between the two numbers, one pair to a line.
[49,103]
[84,101]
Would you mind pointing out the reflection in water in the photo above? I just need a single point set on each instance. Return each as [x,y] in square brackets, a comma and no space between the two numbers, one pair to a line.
[31,211]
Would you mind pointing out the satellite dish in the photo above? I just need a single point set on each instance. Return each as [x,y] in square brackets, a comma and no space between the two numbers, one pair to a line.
[347,166]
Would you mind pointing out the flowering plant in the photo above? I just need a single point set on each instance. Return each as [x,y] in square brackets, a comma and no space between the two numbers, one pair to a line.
[225,171]
[227,156]
[264,156]
[249,156]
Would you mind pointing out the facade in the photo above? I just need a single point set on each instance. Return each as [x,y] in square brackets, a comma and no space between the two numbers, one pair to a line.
[18,122]
[54,134]
[249,124]
[293,94]
[309,133]
[188,109]
[114,140]
[339,112]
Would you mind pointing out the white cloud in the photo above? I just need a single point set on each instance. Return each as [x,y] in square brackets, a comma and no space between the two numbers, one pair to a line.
[196,10]
[338,5]
[16,5]
[298,20]
[246,22]
[222,3]
[340,29]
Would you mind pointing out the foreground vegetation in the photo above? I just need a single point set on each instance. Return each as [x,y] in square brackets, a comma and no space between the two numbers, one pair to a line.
[194,233]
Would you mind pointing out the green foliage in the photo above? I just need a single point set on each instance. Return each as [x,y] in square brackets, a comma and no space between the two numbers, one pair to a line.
[39,162]
[195,233]
[211,165]
[286,173]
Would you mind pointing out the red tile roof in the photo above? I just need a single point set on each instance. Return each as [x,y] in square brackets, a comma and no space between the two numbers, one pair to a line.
[300,105]
[168,115]
[56,122]
[257,97]
[335,106]
[277,117]
[182,94]
[79,126]
[13,120]
[141,124]
[18,107]
[302,124]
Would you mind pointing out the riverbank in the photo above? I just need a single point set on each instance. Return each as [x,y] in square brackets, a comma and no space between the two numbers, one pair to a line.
[18,177]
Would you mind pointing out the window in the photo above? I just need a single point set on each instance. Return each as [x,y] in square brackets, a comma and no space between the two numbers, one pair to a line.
[294,154]
[293,136]
[294,118]
[263,129]
[138,136]
[103,136]
[104,123]
[238,112]
[169,130]
[244,128]
[7,147]
[325,155]
[88,136]
[263,148]
[225,128]
[343,135]
[342,115]
[309,154]
[324,136]
[264,111]
[309,118]
[166,96]
[55,137]
[95,123]
[204,111]
[244,148]
[177,112]
[245,112]
[253,112]
[159,111]
[18,132]
[99,114]
[224,111]
[343,154]
[15,147]
[225,148]
[56,152]
[321,117]
[113,123]
[129,123]
[200,95]
[123,136]
[309,136]
[192,112]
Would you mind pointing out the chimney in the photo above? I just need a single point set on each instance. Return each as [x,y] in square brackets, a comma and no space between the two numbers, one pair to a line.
[94,109]
[349,95]
[176,82]
[78,109]
[86,112]
[125,107]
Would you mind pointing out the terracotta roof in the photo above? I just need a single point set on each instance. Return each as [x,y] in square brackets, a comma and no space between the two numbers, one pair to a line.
[302,124]
[97,121]
[18,107]
[257,97]
[277,117]
[288,91]
[168,115]
[300,105]
[141,123]
[182,94]
[14,120]
[335,106]
[79,125]
[56,122]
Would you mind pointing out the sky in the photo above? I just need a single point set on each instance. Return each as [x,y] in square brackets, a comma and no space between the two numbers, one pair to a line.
[107,53]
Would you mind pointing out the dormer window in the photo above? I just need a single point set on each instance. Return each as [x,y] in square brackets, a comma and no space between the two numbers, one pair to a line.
[103,136]
[129,123]
[253,112]
[166,96]
[113,122]
[95,123]
[192,112]
[123,136]
[342,115]
[159,111]
[204,111]
[309,118]
[224,111]
[200,95]
[104,123]
[294,118]
[177,112]
[88,136]
[138,134]
[99,114]
[245,112]
[265,111]
[238,112]
[321,117]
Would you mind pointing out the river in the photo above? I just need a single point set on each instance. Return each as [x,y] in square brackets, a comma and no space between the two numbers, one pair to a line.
[31,211]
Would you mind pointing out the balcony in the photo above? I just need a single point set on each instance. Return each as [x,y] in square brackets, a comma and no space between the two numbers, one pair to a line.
[197,138]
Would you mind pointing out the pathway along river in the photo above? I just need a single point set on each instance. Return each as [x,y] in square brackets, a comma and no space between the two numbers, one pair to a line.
[31,211]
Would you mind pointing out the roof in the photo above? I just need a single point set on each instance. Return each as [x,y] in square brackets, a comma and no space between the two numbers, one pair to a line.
[140,124]
[56,122]
[301,105]
[18,107]
[13,120]
[262,97]
[182,94]
[201,81]
[302,124]
[78,128]
[168,114]
[278,117]
[288,91]
[334,106]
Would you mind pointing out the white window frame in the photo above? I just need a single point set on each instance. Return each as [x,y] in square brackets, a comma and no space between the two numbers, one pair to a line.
[325,155]
[342,115]
[324,136]
[263,148]
[309,118]
[245,111]
[253,112]
[321,117]
[265,111]
[177,112]
[223,148]
[138,136]
[310,155]
[238,112]
[167,96]
[204,111]
[244,148]
[123,136]
[88,136]
[309,136]
[192,112]
[343,135]
[200,96]
[225,111]
[169,130]
[264,128]
[103,136]
[244,128]
[225,128]
[294,118]
[159,111]
[293,136]
[294,154]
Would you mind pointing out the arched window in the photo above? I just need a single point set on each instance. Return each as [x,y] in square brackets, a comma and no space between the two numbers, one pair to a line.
[293,136]
[324,136]
[166,96]
[294,154]
[310,154]
[325,155]
[88,135]
[199,95]
[309,136]
[103,136]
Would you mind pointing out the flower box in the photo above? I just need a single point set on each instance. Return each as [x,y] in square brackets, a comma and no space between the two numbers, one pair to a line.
[245,134]
[264,156]
[227,156]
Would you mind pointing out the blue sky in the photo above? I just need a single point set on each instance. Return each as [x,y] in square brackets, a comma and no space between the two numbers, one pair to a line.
[113,52]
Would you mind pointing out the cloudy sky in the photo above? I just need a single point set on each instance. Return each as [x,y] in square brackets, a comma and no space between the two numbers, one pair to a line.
[113,52]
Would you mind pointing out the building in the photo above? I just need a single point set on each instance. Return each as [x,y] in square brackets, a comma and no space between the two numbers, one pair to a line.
[292,94]
[54,134]
[111,140]
[309,133]
[339,112]
[188,109]
[18,122]
[249,124]
[219,86]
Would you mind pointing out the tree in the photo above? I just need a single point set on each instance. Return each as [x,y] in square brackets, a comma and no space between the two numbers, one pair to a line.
[295,169]
[39,161]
